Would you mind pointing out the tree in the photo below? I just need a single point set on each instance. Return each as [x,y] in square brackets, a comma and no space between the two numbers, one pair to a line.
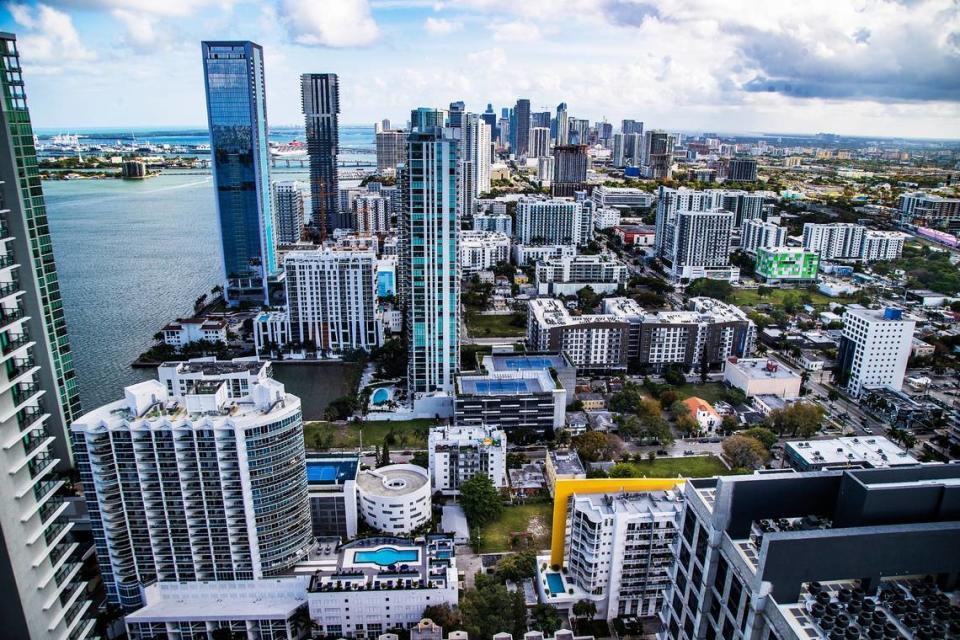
[587,298]
[480,500]
[517,567]
[390,359]
[763,292]
[341,408]
[735,396]
[594,446]
[687,425]
[801,419]
[443,615]
[384,453]
[718,289]
[729,424]
[679,409]
[516,460]
[584,609]
[421,459]
[158,336]
[545,618]
[622,470]
[833,395]
[745,452]
[488,608]
[766,437]
[675,377]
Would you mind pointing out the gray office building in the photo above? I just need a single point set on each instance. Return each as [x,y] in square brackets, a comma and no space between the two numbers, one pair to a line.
[569,170]
[521,114]
[867,553]
[320,94]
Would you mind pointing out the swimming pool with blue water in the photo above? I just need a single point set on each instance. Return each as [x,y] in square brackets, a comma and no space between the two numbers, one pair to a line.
[385,556]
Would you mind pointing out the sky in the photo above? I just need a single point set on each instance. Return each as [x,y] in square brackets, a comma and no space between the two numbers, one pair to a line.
[857,67]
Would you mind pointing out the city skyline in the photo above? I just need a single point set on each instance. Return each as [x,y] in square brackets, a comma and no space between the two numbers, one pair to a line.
[885,70]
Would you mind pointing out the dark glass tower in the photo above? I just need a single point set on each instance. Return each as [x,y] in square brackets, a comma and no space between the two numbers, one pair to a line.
[522,135]
[320,94]
[237,115]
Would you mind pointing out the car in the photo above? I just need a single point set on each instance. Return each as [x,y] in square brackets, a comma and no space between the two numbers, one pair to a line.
[689,452]
[868,431]
[662,452]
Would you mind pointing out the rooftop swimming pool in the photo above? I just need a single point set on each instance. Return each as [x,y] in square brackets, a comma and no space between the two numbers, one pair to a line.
[555,583]
[380,396]
[386,556]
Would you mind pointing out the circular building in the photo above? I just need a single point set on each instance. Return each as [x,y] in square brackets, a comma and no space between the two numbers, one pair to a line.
[396,498]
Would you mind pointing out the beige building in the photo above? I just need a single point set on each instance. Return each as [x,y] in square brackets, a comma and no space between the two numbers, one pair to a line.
[562,465]
[761,377]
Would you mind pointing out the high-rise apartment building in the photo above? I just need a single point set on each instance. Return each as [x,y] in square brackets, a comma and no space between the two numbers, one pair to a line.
[656,154]
[758,234]
[738,169]
[618,156]
[490,117]
[320,93]
[237,117]
[197,476]
[540,119]
[834,241]
[331,298]
[569,170]
[521,133]
[563,125]
[475,161]
[631,126]
[548,221]
[44,593]
[874,348]
[670,201]
[428,117]
[699,246]
[288,209]
[919,209]
[371,213]
[456,454]
[579,129]
[456,113]
[430,280]
[539,142]
[391,150]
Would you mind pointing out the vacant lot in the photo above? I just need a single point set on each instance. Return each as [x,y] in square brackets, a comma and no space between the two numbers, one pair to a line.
[749,297]
[688,467]
[533,519]
[404,434]
[712,392]
[501,326]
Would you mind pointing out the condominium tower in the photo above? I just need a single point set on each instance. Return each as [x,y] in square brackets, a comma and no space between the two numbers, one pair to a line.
[288,208]
[197,476]
[430,282]
[874,348]
[44,594]
[320,93]
[521,133]
[391,150]
[237,118]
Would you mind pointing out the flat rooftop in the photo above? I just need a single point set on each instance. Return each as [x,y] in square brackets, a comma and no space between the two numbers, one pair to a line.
[496,387]
[273,598]
[762,369]
[332,470]
[652,502]
[392,481]
[218,367]
[876,451]
[566,463]
[524,363]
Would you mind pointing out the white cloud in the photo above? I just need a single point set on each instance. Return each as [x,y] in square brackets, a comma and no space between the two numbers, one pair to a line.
[142,32]
[441,26]
[165,8]
[50,42]
[516,31]
[344,23]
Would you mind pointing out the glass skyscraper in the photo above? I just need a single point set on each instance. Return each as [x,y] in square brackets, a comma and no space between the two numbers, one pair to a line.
[320,93]
[41,564]
[237,116]
[430,221]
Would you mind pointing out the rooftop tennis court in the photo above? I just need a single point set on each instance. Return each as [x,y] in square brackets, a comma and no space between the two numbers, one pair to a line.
[331,470]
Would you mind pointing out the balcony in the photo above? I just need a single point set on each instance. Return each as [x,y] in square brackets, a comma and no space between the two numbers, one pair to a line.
[8,289]
[9,316]
[7,260]
[24,391]
[14,341]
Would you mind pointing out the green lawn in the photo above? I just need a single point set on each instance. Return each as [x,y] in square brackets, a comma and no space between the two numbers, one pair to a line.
[533,518]
[408,434]
[711,392]
[502,326]
[749,297]
[687,466]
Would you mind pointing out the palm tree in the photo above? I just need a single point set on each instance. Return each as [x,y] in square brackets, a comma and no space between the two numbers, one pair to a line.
[301,623]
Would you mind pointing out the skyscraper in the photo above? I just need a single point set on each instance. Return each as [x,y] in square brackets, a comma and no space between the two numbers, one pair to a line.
[288,207]
[44,596]
[197,476]
[540,119]
[539,142]
[427,117]
[656,155]
[320,93]
[579,130]
[391,150]
[563,125]
[522,133]
[569,169]
[237,117]
[631,126]
[455,116]
[429,224]
[476,150]
[490,117]
[874,349]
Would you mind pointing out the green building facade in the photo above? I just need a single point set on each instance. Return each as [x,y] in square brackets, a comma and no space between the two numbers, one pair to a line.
[787,264]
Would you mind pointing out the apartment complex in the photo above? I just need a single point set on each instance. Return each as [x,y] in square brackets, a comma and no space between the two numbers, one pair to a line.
[787,264]
[526,254]
[919,209]
[480,250]
[288,208]
[371,213]
[592,342]
[874,348]
[698,246]
[456,454]
[846,241]
[566,276]
[569,169]
[320,99]
[174,472]
[514,401]
[493,222]
[758,234]
[391,150]
[553,221]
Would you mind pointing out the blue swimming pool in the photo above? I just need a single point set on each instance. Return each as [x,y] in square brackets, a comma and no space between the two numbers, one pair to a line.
[555,583]
[380,396]
[385,556]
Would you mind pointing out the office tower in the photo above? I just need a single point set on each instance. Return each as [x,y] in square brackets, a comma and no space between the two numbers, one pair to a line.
[371,213]
[504,131]
[834,241]
[579,128]
[700,246]
[619,549]
[855,553]
[391,150]
[430,281]
[569,170]
[237,118]
[288,208]
[490,117]
[874,349]
[196,476]
[631,126]
[456,454]
[563,125]
[540,119]
[618,155]
[656,154]
[521,132]
[320,94]
[331,298]
[455,115]
[738,169]
[426,117]
[621,198]
[758,234]
[604,133]
[919,209]
[539,142]
[553,221]
[44,596]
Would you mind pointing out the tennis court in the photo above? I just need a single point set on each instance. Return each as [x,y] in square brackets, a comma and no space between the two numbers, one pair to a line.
[501,386]
[527,363]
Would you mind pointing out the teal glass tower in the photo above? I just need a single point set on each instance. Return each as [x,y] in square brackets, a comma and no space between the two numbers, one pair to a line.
[237,116]
[430,222]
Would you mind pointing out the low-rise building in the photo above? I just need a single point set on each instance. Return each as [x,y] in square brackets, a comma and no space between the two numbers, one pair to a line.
[481,250]
[708,420]
[528,480]
[376,584]
[556,363]
[494,222]
[786,264]
[456,454]
[332,487]
[562,465]
[522,399]
[525,255]
[866,452]
[898,409]
[621,197]
[183,331]
[605,218]
[395,499]
[634,235]
[761,376]
[566,276]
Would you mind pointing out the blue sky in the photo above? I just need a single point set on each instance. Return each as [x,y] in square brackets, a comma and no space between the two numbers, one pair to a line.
[867,67]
